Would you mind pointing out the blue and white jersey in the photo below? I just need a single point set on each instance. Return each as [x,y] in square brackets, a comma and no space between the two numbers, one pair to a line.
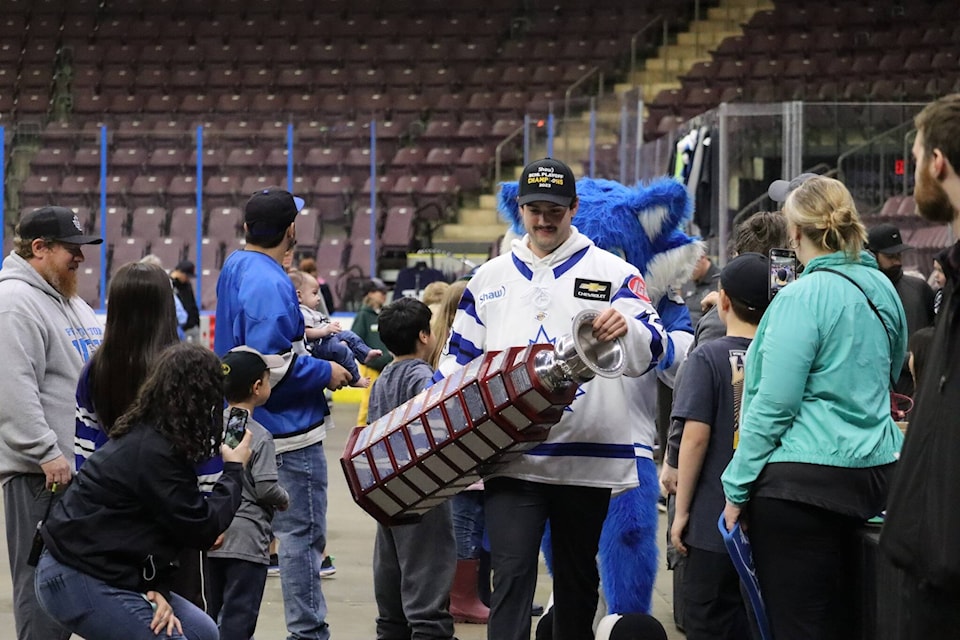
[90,436]
[518,299]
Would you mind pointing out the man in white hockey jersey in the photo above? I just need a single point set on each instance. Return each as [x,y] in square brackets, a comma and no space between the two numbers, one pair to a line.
[531,296]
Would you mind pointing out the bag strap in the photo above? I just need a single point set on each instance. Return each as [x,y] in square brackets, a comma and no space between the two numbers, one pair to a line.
[873,307]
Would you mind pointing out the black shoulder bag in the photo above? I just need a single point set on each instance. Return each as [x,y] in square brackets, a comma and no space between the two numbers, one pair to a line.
[896,399]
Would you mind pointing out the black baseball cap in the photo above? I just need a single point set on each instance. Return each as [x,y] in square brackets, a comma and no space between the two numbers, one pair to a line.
[59,223]
[243,365]
[745,278]
[187,268]
[886,239]
[374,284]
[270,211]
[547,180]
[780,189]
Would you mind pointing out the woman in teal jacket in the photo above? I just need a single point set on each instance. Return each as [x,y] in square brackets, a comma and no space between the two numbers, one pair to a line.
[816,440]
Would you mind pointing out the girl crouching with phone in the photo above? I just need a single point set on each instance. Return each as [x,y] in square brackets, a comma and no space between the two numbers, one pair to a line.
[135,504]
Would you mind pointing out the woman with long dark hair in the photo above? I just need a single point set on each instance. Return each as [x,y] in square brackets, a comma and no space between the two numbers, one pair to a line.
[112,540]
[141,322]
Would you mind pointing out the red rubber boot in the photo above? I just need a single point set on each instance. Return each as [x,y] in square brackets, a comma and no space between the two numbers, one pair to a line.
[465,605]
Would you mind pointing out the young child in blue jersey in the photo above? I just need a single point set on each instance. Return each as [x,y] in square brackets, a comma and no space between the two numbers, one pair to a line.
[413,564]
[708,401]
[237,570]
[326,339]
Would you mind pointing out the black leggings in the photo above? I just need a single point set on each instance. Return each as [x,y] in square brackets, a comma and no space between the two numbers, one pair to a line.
[806,563]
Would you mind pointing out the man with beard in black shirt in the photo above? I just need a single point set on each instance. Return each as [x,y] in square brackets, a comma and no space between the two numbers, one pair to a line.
[886,243]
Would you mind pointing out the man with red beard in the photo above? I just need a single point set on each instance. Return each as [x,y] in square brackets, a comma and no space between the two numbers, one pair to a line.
[48,333]
[923,518]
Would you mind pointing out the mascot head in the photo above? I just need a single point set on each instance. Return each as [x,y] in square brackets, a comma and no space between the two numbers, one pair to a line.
[641,224]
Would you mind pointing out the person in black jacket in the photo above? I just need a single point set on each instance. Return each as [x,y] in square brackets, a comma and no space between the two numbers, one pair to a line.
[922,522]
[112,540]
[180,277]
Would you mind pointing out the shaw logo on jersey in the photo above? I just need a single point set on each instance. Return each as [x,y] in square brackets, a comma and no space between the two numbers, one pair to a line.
[490,296]
[592,290]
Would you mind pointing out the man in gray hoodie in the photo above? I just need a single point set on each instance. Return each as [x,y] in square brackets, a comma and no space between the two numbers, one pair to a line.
[48,333]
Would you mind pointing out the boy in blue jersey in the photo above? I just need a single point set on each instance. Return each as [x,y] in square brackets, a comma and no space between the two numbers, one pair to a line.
[257,306]
[708,401]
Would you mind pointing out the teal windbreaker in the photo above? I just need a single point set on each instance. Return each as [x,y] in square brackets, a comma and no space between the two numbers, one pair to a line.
[817,377]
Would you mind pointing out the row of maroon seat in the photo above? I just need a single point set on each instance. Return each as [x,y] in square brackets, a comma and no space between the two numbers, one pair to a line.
[167,162]
[823,51]
[332,249]
[332,195]
[190,9]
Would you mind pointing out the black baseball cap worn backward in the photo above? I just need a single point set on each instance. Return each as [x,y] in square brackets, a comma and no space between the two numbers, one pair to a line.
[547,180]
[270,211]
[245,365]
[745,278]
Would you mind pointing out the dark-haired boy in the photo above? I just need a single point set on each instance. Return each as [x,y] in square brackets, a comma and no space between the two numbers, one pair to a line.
[237,570]
[413,564]
[708,401]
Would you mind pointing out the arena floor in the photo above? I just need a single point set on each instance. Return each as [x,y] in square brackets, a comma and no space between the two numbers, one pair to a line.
[349,593]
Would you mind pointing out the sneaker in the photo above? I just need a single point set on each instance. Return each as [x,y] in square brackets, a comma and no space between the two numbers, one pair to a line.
[273,569]
[326,567]
[662,504]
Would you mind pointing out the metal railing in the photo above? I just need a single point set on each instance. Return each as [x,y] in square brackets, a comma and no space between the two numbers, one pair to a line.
[633,41]
[498,153]
[866,168]
[753,206]
[569,93]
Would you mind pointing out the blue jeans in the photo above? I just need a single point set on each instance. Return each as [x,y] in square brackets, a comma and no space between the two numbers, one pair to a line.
[332,348]
[93,609]
[468,523]
[302,530]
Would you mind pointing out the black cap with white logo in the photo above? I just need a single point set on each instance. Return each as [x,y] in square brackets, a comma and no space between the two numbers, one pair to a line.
[886,239]
[57,223]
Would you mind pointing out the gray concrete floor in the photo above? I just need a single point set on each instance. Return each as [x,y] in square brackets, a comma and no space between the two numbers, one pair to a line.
[349,593]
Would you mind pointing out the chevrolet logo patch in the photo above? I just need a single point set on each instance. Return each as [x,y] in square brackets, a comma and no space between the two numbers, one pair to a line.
[592,290]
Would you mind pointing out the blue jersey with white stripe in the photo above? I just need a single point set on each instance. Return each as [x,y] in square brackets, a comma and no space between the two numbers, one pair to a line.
[89,436]
[257,306]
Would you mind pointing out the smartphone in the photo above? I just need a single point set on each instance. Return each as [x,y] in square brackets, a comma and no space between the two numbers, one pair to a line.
[236,427]
[783,269]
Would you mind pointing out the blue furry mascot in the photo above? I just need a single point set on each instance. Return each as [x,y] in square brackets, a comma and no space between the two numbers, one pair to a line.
[642,225]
